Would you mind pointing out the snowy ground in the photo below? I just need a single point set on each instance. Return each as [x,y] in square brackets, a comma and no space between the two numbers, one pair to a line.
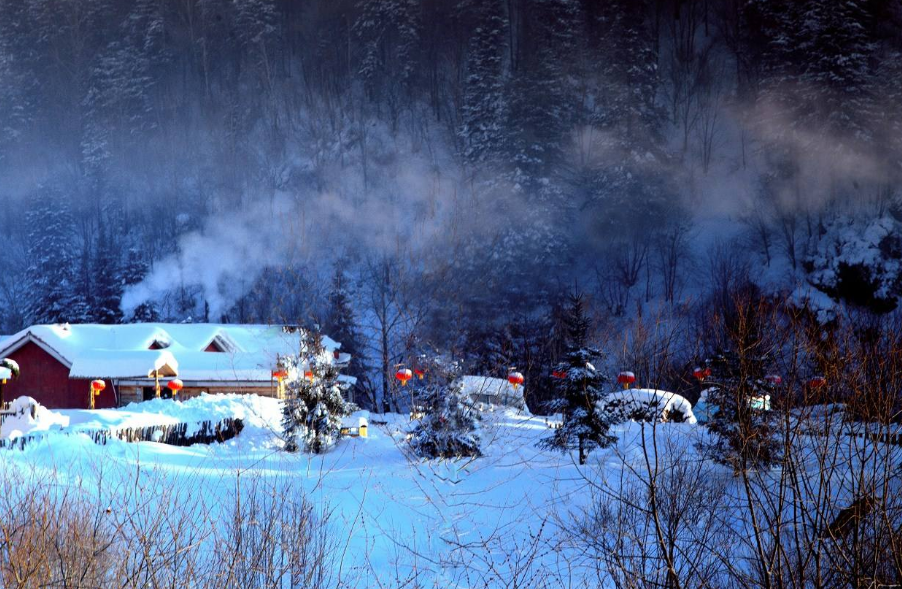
[396,515]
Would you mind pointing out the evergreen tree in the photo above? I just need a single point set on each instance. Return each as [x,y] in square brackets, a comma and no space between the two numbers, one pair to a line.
[815,61]
[314,407]
[51,261]
[133,273]
[484,102]
[341,324]
[739,392]
[389,31]
[580,389]
[450,428]
[628,78]
[108,284]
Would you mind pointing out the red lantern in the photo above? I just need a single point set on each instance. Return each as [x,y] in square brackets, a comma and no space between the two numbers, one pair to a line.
[96,387]
[515,378]
[626,378]
[559,374]
[817,382]
[419,372]
[279,374]
[701,373]
[175,385]
[774,379]
[336,354]
[404,374]
[308,374]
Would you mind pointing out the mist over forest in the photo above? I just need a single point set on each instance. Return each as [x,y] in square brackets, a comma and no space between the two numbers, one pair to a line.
[441,175]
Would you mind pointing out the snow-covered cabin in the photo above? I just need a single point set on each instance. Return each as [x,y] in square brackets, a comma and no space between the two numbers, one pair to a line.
[58,362]
[492,391]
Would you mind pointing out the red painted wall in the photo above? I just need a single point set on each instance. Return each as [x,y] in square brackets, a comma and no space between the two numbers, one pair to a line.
[47,380]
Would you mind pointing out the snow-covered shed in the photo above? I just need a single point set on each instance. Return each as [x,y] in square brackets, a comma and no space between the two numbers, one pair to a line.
[59,361]
[493,391]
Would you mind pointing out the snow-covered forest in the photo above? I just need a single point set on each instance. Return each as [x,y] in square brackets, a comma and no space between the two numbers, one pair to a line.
[438,175]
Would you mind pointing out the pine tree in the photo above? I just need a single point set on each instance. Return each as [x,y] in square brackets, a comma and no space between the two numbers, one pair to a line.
[341,323]
[312,412]
[580,389]
[108,284]
[484,102]
[815,60]
[51,261]
[133,274]
[545,99]
[629,79]
[450,428]
[389,31]
[739,391]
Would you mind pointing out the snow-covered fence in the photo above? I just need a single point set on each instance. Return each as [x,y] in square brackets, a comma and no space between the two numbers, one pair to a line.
[178,434]
[893,438]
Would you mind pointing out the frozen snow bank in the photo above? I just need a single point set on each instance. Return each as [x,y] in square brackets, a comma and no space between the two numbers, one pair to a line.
[649,405]
[28,416]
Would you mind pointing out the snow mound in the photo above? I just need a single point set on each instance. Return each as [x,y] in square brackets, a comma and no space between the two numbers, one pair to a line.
[648,405]
[255,411]
[27,416]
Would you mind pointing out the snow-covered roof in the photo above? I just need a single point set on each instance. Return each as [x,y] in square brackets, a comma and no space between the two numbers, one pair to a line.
[249,352]
[124,364]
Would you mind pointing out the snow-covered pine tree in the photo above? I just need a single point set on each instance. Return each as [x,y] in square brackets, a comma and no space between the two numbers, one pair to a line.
[484,102]
[450,428]
[133,273]
[815,62]
[51,259]
[743,425]
[314,407]
[580,389]
[108,283]
[341,323]
[389,32]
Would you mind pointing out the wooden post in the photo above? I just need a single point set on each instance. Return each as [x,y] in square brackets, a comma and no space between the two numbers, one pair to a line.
[156,382]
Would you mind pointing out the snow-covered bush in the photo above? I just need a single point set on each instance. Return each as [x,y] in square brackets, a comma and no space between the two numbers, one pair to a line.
[314,404]
[450,428]
[647,405]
